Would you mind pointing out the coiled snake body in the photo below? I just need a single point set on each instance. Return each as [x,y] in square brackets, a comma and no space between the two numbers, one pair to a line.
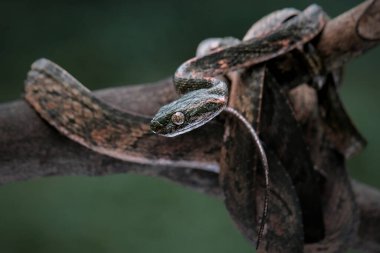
[206,96]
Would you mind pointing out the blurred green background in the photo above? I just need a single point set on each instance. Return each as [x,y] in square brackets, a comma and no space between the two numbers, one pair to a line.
[110,43]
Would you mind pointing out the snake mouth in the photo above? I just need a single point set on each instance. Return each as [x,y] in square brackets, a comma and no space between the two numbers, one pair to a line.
[156,126]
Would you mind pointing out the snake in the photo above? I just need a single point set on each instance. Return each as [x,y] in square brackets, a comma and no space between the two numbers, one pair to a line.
[75,112]
[205,96]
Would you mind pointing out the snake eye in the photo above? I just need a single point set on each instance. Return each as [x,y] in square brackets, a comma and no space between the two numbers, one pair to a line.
[178,118]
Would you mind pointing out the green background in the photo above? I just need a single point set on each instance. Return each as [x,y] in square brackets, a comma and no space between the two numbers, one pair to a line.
[110,43]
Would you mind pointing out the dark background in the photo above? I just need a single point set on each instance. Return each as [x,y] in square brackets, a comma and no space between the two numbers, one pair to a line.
[113,43]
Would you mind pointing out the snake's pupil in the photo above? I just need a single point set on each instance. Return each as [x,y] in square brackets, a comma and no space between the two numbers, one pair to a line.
[178,118]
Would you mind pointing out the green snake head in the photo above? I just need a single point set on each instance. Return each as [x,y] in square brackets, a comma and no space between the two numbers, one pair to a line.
[191,111]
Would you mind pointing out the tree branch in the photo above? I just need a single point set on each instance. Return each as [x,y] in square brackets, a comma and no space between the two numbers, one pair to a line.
[350,34]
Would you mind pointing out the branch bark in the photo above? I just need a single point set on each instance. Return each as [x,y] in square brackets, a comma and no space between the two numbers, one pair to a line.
[30,148]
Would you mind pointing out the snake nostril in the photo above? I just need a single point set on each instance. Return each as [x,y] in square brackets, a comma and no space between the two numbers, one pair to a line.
[155,126]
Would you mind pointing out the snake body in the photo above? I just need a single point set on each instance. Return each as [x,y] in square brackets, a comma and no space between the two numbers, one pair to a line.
[204,96]
[260,29]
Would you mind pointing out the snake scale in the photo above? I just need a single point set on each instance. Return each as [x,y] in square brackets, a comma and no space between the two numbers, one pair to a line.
[74,111]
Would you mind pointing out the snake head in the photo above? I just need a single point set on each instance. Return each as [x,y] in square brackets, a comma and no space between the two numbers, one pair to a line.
[191,111]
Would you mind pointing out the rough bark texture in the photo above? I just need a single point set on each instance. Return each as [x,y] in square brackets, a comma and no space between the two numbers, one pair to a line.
[30,148]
